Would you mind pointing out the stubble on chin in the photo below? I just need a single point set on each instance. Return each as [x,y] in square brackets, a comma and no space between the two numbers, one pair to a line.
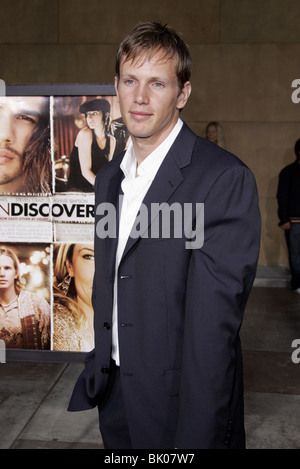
[12,183]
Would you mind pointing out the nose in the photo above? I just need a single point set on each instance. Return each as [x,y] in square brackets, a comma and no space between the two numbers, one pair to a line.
[141,94]
[6,129]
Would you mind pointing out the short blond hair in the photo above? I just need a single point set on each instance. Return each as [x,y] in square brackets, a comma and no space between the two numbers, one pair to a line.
[147,38]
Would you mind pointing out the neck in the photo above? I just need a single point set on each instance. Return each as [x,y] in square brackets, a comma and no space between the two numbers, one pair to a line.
[142,150]
[100,132]
[144,146]
[87,310]
[7,295]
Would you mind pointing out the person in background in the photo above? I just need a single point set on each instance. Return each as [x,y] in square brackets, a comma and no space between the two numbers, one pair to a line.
[288,198]
[214,133]
[25,157]
[72,287]
[94,146]
[24,316]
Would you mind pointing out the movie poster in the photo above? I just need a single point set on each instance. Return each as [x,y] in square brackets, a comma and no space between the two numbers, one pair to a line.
[51,148]
[25,311]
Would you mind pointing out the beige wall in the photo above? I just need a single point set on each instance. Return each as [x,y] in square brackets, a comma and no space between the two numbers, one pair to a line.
[246,53]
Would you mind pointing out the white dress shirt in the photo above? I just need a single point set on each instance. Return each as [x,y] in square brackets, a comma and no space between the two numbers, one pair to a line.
[135,186]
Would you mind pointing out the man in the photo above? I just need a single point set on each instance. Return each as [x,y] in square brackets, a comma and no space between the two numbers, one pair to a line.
[288,197]
[24,315]
[25,160]
[166,370]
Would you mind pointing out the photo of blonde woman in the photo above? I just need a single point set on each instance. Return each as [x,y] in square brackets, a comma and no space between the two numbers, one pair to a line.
[72,290]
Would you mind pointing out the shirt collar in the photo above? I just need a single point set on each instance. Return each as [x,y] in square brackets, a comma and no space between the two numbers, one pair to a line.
[149,167]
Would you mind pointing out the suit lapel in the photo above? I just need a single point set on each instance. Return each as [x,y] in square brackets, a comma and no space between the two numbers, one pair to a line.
[167,180]
[113,198]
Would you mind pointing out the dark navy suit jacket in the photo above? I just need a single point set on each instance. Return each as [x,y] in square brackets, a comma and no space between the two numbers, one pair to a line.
[180,310]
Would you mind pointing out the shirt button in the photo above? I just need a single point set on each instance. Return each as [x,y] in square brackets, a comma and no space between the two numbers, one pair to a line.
[106,326]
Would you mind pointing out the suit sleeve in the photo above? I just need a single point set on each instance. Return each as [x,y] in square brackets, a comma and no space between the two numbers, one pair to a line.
[84,395]
[220,278]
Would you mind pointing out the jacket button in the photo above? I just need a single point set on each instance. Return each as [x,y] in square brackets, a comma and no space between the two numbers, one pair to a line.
[106,326]
[105,371]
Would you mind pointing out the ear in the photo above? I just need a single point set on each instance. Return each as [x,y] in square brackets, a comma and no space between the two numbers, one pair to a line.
[116,87]
[184,95]
[69,268]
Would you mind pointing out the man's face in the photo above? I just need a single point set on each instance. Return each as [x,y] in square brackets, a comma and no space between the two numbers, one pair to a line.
[149,97]
[7,272]
[19,117]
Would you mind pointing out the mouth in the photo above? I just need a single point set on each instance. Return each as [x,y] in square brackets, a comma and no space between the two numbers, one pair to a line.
[5,155]
[140,115]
